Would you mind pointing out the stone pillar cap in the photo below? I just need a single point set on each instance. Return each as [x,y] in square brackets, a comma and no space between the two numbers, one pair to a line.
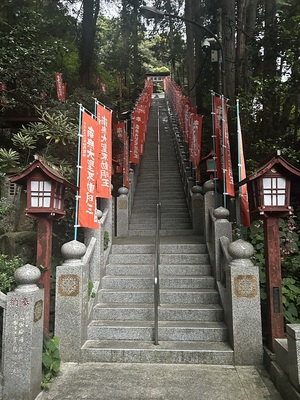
[73,250]
[27,277]
[209,186]
[240,249]
[123,191]
[221,213]
[197,189]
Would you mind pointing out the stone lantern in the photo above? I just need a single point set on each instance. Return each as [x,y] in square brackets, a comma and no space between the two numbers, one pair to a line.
[45,202]
[269,191]
[210,163]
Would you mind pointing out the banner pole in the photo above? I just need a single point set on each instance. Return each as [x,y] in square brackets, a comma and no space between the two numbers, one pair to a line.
[214,148]
[223,153]
[124,151]
[78,173]
[239,133]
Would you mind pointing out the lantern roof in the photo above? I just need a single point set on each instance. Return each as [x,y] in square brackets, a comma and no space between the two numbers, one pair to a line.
[267,165]
[46,167]
[209,156]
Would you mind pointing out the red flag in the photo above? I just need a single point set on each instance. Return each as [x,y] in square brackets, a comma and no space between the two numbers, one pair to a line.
[224,166]
[60,88]
[139,122]
[104,116]
[119,129]
[135,141]
[242,167]
[88,161]
[126,163]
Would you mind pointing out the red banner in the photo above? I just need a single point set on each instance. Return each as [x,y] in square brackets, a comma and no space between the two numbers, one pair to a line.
[60,87]
[223,161]
[135,142]
[196,129]
[88,161]
[243,189]
[103,187]
[126,163]
[119,129]
[139,123]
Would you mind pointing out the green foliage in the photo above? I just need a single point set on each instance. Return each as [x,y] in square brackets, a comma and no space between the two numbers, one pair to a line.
[32,49]
[5,207]
[290,261]
[7,270]
[106,240]
[54,137]
[91,293]
[291,299]
[51,360]
[9,159]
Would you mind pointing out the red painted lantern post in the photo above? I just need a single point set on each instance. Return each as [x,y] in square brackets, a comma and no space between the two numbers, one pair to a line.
[273,280]
[269,198]
[45,203]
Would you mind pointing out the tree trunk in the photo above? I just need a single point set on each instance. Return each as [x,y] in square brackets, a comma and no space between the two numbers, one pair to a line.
[190,52]
[269,68]
[89,20]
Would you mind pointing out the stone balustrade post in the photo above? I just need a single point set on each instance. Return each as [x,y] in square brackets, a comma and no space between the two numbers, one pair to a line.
[122,212]
[131,190]
[190,183]
[197,210]
[221,227]
[71,304]
[293,339]
[187,175]
[95,263]
[243,305]
[23,337]
[209,203]
[109,223]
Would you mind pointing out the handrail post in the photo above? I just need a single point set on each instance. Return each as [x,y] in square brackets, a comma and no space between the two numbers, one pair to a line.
[157,242]
[156,273]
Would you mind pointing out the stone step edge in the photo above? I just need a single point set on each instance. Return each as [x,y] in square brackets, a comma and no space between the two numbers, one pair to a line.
[136,324]
[180,352]
[175,345]
[180,307]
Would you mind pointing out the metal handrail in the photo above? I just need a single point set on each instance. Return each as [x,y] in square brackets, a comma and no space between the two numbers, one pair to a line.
[157,243]
[156,273]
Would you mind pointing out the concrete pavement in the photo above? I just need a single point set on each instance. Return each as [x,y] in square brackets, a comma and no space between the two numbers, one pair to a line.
[99,381]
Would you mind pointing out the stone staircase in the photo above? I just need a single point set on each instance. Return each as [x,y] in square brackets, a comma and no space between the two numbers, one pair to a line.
[191,327]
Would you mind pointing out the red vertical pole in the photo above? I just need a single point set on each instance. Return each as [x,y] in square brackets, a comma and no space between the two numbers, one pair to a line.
[273,284]
[43,257]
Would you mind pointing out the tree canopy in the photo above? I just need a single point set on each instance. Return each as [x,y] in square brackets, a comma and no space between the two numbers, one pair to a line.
[255,58]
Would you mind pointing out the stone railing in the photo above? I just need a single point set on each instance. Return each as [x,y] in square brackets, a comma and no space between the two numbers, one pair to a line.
[237,280]
[22,341]
[124,203]
[284,365]
[77,282]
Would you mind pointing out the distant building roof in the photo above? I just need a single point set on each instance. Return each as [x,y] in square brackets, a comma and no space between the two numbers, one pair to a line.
[157,73]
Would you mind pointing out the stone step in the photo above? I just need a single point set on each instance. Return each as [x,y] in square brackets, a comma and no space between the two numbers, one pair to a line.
[167,225]
[167,296]
[182,248]
[163,232]
[214,353]
[147,269]
[166,282]
[172,199]
[145,312]
[164,258]
[168,330]
[166,209]
[165,218]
